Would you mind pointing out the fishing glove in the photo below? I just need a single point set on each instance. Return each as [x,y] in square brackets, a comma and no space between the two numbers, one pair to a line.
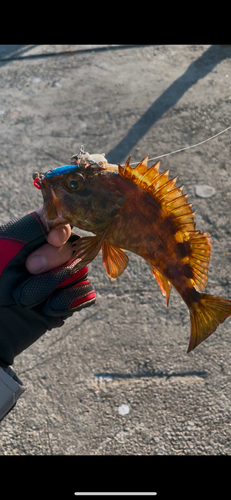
[32,304]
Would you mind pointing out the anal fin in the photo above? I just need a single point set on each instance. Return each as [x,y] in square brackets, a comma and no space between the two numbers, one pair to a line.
[163,283]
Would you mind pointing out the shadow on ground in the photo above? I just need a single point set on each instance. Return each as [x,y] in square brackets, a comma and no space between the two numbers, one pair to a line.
[197,69]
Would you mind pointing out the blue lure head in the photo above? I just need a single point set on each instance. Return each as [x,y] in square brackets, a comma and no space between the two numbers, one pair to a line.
[61,170]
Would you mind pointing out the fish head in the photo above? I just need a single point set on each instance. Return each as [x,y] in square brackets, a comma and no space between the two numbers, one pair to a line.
[87,196]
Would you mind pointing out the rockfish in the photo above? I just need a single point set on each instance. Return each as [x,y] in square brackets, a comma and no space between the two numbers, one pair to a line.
[142,211]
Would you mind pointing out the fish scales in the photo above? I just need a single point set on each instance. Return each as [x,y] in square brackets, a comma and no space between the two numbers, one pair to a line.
[156,244]
[142,211]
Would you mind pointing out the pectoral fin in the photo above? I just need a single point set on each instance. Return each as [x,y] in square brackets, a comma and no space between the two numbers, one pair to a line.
[86,249]
[115,260]
[163,283]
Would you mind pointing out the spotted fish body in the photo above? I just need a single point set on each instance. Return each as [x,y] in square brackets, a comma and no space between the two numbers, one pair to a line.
[144,212]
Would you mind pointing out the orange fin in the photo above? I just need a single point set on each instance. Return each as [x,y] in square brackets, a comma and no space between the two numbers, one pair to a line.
[206,315]
[162,190]
[200,251]
[115,260]
[85,249]
[163,283]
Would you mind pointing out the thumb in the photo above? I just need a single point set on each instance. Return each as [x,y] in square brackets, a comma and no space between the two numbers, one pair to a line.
[47,257]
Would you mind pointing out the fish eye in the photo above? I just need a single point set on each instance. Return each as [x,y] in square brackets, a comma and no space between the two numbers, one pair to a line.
[74,183]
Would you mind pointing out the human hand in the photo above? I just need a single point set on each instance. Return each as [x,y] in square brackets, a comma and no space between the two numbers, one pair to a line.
[33,301]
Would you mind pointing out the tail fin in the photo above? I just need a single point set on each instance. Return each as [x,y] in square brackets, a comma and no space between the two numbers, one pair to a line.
[206,315]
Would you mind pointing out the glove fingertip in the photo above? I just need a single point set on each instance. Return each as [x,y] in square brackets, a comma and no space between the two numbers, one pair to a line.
[69,300]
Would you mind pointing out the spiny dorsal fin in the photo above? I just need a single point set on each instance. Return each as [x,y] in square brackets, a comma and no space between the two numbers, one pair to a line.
[164,191]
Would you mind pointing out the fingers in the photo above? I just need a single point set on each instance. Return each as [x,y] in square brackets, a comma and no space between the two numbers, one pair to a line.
[48,257]
[52,254]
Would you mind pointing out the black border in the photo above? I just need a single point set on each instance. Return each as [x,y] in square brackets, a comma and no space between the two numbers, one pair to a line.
[61,476]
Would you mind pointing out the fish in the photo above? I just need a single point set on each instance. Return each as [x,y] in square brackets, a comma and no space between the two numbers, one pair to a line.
[139,210]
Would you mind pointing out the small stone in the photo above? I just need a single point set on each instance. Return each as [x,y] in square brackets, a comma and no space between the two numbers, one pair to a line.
[204,191]
[123,409]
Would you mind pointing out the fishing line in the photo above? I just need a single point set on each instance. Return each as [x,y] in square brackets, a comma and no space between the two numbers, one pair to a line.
[187,147]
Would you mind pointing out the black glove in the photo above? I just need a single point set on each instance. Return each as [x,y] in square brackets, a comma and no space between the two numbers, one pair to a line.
[32,304]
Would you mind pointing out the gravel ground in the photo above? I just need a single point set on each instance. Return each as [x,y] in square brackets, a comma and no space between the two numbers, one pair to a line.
[116,379]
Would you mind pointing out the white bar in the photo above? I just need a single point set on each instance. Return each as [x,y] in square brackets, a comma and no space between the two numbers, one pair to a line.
[116,494]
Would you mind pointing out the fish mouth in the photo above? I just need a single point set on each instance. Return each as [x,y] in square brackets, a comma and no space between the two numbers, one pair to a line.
[52,212]
[54,223]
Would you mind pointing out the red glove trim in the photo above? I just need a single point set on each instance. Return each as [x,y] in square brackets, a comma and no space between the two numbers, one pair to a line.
[73,277]
[9,248]
[85,298]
